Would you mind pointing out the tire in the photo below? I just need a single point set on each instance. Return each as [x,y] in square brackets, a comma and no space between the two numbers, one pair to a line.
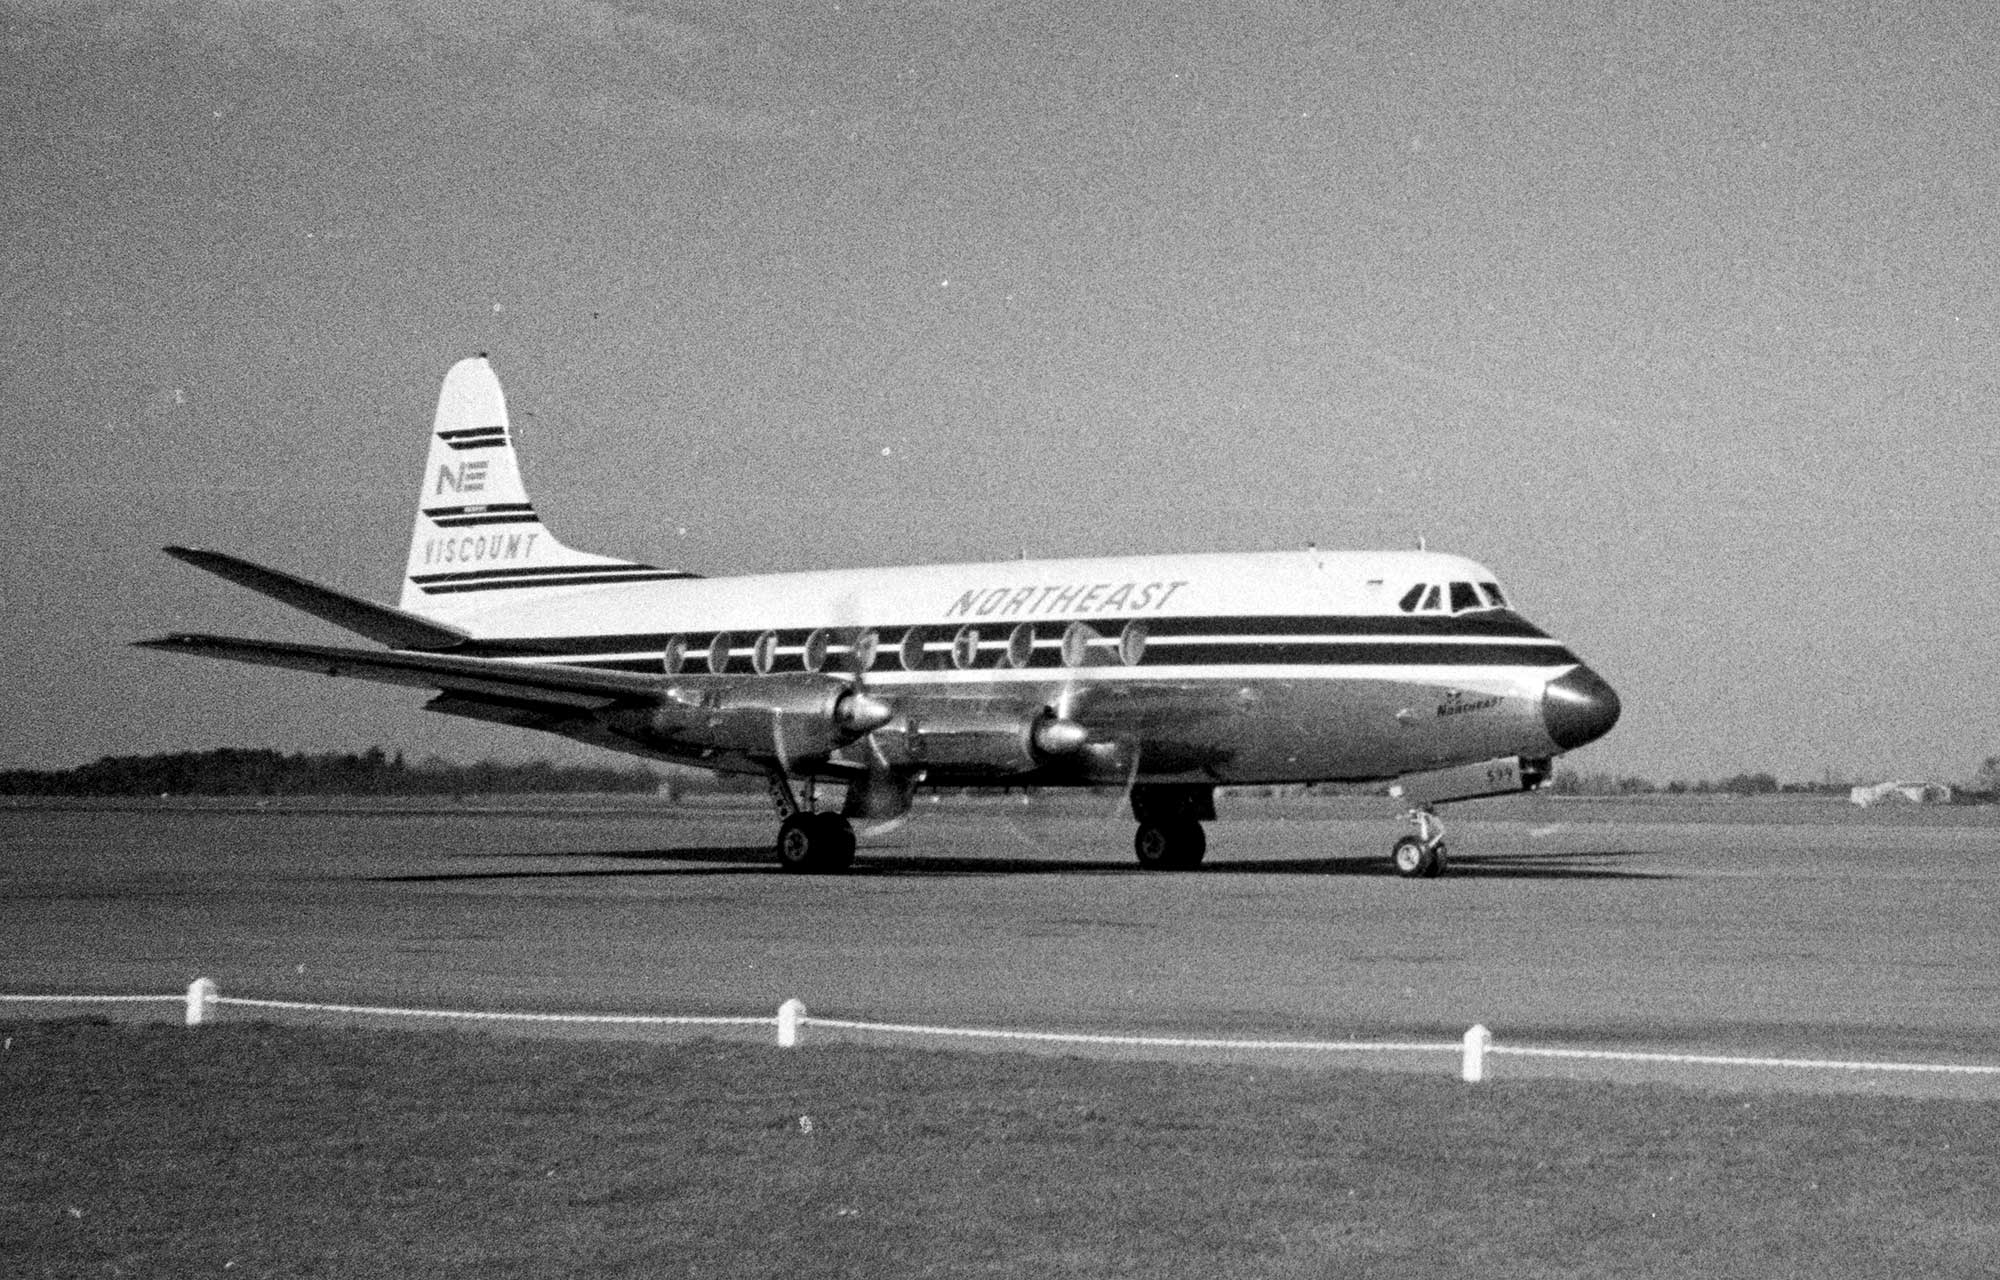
[798,850]
[1170,846]
[815,843]
[1416,860]
[837,838]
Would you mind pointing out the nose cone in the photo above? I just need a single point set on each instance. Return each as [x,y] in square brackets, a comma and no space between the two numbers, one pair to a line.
[1578,708]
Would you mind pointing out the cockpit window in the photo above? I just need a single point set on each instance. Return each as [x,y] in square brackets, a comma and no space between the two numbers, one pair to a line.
[1430,597]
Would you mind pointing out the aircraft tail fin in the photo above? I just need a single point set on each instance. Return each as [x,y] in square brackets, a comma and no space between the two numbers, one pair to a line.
[478,543]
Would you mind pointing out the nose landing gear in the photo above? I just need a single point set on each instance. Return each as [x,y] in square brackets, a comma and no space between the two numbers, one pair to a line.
[1421,856]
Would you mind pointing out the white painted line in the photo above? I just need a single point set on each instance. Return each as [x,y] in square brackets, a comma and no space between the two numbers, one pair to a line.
[1719,1060]
[1150,1042]
[618,1019]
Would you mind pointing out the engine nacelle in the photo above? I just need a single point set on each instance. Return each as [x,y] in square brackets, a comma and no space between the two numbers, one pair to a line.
[972,741]
[779,718]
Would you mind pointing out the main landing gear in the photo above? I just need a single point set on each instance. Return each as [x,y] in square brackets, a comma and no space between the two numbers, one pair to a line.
[1170,846]
[1421,856]
[809,843]
[1170,835]
[815,843]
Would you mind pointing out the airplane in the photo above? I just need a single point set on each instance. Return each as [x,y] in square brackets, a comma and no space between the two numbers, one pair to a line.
[1165,675]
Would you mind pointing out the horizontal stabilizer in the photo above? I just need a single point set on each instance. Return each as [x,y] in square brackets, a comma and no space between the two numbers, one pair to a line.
[536,684]
[377,622]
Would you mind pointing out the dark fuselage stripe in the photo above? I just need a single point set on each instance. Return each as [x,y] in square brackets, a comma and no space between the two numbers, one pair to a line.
[474,438]
[467,522]
[527,576]
[1336,654]
[572,580]
[1048,657]
[474,510]
[1495,623]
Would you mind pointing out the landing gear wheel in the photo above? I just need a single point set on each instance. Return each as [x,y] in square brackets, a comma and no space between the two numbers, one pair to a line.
[1421,856]
[1416,860]
[815,843]
[1170,846]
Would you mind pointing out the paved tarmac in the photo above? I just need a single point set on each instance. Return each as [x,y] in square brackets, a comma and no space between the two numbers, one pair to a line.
[1756,928]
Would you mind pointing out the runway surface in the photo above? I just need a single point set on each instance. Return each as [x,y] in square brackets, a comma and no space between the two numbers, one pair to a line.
[1777,927]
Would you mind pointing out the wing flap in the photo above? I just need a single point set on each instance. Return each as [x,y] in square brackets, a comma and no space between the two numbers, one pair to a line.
[540,684]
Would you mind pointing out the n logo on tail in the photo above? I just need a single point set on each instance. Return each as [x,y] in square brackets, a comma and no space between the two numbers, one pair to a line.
[469,478]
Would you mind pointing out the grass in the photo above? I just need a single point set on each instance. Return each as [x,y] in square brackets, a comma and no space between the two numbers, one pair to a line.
[252,1149]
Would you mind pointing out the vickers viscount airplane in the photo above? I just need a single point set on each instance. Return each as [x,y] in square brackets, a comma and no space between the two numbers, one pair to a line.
[1164,675]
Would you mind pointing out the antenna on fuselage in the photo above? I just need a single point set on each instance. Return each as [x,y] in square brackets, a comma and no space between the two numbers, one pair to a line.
[1422,544]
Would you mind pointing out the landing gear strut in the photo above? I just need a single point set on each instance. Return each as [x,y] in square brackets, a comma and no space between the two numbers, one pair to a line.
[1421,856]
[809,843]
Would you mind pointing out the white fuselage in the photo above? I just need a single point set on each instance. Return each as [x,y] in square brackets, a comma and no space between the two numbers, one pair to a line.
[1228,668]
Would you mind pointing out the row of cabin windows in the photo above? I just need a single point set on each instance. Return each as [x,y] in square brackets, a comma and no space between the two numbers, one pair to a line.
[1430,597]
[919,648]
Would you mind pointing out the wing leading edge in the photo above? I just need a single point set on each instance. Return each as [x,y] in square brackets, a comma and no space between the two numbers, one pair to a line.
[539,684]
[379,622]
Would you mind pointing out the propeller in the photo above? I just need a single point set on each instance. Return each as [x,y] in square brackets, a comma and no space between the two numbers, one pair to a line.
[1062,734]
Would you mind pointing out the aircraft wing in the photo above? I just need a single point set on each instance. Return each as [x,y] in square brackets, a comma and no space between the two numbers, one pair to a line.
[363,617]
[542,684]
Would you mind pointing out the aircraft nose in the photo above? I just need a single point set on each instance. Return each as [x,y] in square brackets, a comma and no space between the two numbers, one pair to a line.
[1578,707]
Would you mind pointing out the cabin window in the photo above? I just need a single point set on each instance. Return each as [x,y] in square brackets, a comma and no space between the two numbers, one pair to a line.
[1076,642]
[1432,600]
[1020,646]
[718,652]
[913,649]
[1132,643]
[965,647]
[764,654]
[1463,597]
[1491,590]
[813,656]
[673,655]
[1411,598]
[861,654]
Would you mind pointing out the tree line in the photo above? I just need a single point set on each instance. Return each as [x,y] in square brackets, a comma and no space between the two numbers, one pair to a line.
[1983,787]
[235,771]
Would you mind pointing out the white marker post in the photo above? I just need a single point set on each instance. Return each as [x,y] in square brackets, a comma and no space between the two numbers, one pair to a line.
[790,1014]
[1477,1042]
[201,996]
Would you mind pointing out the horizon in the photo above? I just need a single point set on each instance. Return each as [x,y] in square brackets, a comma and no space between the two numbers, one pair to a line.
[1565,770]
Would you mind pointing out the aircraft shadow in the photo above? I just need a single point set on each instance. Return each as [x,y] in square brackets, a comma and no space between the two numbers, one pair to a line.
[1595,864]
[753,859]
[757,860]
[1572,866]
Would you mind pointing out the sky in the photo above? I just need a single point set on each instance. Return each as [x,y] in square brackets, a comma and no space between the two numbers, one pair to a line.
[1681,317]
